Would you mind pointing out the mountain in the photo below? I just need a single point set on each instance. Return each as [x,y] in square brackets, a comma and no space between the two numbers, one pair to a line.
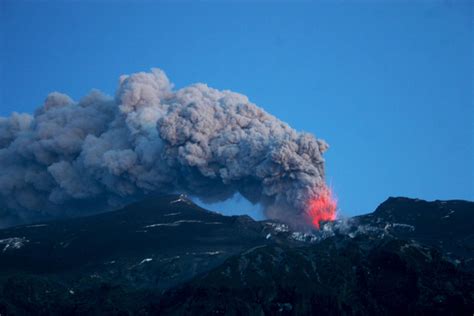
[446,225]
[166,255]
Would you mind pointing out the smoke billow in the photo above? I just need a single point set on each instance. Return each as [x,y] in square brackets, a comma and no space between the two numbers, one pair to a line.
[73,158]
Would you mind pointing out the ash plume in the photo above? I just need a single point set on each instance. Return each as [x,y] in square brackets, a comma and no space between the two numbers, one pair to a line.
[72,158]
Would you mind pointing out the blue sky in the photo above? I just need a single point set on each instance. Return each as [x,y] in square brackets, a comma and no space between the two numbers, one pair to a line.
[389,86]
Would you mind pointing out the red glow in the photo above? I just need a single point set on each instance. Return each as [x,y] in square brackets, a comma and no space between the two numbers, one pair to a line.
[322,208]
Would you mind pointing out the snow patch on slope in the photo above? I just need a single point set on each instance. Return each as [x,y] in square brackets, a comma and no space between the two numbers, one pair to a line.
[13,243]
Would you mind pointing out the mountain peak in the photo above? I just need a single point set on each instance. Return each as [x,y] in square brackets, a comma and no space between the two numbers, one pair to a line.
[166,254]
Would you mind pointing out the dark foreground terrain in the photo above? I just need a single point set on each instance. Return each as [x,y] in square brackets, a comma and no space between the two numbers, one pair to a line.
[168,256]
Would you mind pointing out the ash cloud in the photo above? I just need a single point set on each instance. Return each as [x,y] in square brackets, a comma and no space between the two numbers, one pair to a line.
[73,158]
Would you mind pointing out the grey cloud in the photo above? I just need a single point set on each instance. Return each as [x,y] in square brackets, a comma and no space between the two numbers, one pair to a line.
[71,157]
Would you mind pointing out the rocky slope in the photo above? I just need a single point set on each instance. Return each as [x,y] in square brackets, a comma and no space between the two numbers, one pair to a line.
[446,225]
[168,256]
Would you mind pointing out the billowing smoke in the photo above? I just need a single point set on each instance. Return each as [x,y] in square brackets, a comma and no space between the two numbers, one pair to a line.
[72,158]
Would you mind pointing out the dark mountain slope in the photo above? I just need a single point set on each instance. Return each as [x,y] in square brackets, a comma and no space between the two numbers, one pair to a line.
[155,229]
[446,225]
[338,276]
[148,246]
[168,256]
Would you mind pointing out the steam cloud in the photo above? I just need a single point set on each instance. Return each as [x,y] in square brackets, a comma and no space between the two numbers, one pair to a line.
[73,158]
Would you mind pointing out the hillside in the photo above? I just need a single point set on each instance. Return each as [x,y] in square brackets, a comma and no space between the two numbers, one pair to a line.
[168,256]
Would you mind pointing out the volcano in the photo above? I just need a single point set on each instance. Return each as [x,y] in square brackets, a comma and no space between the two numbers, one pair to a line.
[168,256]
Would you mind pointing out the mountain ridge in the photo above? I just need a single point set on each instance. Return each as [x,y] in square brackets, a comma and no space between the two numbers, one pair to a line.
[167,255]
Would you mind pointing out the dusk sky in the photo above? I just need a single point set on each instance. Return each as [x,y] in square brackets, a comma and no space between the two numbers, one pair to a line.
[388,86]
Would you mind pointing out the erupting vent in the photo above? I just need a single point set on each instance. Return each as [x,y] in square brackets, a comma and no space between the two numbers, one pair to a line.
[322,208]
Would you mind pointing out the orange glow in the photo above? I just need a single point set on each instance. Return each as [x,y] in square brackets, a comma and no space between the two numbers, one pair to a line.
[322,208]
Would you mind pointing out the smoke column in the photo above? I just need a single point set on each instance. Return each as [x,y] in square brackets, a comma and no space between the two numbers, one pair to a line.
[72,158]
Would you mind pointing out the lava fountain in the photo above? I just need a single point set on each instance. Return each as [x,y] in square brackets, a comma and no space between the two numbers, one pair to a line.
[322,208]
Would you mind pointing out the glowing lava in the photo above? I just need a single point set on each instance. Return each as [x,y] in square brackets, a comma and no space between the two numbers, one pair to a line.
[322,207]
